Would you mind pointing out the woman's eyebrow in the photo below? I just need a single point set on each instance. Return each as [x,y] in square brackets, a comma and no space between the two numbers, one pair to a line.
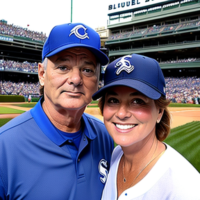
[136,94]
[111,93]
[132,94]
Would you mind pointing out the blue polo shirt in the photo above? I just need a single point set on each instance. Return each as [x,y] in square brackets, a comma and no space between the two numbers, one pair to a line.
[36,163]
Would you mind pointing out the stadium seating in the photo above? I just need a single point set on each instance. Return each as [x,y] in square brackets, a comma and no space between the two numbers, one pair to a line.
[13,30]
[156,30]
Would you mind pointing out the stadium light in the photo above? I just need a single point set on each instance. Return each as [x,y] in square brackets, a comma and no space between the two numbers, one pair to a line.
[71,10]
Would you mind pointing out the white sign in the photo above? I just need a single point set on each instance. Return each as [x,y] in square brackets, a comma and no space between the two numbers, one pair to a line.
[131,4]
[6,38]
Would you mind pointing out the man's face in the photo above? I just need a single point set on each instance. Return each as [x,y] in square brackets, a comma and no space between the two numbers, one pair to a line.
[70,79]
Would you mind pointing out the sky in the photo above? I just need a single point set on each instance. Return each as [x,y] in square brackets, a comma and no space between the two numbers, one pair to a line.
[43,15]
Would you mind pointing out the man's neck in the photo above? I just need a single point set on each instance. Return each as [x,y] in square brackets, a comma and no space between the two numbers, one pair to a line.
[65,120]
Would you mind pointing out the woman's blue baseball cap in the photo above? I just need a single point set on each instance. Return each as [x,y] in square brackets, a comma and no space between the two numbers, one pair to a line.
[71,35]
[136,71]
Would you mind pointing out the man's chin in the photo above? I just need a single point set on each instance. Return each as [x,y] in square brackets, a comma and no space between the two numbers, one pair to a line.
[73,105]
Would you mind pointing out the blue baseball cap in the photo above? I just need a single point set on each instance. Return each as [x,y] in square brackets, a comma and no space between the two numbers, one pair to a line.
[136,71]
[71,35]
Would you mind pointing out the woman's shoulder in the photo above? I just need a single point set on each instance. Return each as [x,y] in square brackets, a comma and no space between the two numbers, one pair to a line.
[176,160]
[117,154]
[180,167]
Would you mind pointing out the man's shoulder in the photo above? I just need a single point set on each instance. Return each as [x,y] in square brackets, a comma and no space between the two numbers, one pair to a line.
[96,127]
[93,119]
[16,122]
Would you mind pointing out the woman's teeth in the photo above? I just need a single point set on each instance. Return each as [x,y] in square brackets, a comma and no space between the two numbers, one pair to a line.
[120,126]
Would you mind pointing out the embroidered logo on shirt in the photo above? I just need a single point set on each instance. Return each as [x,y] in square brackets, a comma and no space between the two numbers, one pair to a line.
[103,170]
[75,31]
[124,64]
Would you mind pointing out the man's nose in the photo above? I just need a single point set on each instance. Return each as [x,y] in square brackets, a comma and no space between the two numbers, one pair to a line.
[75,77]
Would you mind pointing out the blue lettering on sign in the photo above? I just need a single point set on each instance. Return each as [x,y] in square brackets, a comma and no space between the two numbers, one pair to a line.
[123,4]
[133,2]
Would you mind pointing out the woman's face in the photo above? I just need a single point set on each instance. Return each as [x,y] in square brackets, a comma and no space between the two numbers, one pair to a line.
[129,116]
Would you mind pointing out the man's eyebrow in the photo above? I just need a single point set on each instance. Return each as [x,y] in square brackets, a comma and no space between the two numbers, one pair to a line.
[89,63]
[63,58]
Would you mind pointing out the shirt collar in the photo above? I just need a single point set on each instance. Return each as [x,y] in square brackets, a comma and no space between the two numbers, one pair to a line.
[50,130]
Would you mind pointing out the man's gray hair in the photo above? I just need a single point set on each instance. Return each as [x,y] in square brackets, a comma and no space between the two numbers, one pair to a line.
[44,63]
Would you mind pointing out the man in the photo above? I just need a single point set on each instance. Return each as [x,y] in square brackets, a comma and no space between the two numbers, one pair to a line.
[55,151]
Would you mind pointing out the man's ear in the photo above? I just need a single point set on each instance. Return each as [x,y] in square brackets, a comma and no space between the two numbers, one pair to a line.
[41,73]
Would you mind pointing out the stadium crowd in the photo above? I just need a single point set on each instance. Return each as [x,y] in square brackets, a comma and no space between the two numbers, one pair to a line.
[183,90]
[13,30]
[20,88]
[18,66]
[178,90]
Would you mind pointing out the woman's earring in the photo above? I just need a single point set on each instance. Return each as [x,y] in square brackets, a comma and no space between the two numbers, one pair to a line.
[158,121]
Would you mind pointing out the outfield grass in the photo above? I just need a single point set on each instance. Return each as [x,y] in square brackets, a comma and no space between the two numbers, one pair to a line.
[6,110]
[4,121]
[26,105]
[183,105]
[186,140]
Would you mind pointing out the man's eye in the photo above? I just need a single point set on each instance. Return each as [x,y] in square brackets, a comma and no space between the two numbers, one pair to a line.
[88,72]
[62,68]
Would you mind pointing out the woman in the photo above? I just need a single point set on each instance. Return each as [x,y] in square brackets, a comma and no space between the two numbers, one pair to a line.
[135,113]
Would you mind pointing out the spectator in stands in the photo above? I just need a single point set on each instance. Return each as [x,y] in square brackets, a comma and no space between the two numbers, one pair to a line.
[55,151]
[134,107]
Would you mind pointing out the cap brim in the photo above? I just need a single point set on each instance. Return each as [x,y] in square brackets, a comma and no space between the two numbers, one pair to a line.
[102,57]
[135,84]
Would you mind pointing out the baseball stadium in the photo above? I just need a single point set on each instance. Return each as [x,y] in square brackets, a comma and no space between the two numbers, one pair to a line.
[166,30]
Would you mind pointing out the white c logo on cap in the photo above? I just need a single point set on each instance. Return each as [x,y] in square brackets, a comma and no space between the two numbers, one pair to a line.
[125,65]
[77,34]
